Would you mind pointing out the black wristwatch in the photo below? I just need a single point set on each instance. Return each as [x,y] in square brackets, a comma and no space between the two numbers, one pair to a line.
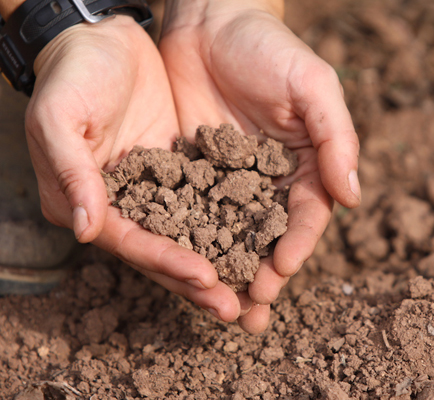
[36,22]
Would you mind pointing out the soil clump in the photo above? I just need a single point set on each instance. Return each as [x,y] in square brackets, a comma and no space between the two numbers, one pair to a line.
[216,198]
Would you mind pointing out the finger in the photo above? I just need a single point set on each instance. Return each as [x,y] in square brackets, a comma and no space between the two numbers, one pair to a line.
[256,321]
[70,161]
[220,301]
[318,99]
[309,211]
[267,284]
[154,253]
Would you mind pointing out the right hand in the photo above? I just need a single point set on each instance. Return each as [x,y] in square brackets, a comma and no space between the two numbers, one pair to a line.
[100,90]
[235,61]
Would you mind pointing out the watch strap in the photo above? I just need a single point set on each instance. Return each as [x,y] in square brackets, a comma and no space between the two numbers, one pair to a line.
[37,22]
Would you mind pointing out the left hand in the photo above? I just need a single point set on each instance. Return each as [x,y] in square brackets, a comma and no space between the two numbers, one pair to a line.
[234,61]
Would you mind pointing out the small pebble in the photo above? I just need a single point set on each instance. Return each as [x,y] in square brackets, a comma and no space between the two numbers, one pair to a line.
[347,289]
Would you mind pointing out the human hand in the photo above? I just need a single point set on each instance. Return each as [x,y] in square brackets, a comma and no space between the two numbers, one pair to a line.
[100,90]
[234,61]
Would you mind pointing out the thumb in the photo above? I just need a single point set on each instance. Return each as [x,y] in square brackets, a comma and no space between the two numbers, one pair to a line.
[80,180]
[321,104]
[66,168]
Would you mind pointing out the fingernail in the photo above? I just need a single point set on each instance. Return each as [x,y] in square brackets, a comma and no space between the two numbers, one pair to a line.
[80,220]
[354,183]
[196,283]
[214,313]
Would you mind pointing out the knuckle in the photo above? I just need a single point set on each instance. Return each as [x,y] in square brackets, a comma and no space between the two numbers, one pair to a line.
[39,111]
[69,182]
[116,248]
[326,71]
[42,113]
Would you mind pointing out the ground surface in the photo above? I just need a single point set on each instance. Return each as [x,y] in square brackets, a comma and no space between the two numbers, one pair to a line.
[357,322]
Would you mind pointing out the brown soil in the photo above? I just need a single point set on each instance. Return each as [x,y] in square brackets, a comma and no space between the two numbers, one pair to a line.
[357,321]
[205,199]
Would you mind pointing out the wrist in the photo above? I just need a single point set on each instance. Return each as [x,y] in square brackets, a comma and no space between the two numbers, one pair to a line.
[187,7]
[181,13]
[84,38]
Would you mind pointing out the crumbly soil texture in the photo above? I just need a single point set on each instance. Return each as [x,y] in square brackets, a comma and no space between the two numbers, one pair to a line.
[215,197]
[356,322]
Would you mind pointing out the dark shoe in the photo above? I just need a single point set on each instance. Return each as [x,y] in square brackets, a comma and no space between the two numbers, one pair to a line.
[33,253]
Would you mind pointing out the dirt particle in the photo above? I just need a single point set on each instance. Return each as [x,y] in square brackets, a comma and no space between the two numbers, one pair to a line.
[271,354]
[336,344]
[184,241]
[403,386]
[419,287]
[347,289]
[427,393]
[153,382]
[249,387]
[230,347]
[332,391]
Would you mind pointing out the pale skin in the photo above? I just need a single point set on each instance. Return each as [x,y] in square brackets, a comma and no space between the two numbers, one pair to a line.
[101,89]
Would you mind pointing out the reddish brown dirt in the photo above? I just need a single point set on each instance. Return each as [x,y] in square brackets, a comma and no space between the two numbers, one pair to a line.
[206,200]
[357,321]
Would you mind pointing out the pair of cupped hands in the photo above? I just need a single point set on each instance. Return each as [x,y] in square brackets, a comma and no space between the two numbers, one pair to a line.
[103,88]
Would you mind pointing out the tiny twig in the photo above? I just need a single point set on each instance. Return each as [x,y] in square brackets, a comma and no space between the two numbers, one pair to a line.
[386,342]
[63,386]
[299,360]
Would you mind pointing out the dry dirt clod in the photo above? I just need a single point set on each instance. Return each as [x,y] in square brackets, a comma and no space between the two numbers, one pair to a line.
[238,186]
[272,225]
[200,174]
[182,145]
[164,165]
[275,160]
[238,267]
[225,147]
[227,215]
[224,239]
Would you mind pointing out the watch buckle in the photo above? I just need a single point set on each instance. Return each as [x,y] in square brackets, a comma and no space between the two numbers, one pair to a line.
[87,16]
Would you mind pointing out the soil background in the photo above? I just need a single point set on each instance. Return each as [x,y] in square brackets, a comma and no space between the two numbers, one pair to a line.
[357,322]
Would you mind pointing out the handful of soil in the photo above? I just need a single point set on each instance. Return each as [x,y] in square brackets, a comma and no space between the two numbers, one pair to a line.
[215,197]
